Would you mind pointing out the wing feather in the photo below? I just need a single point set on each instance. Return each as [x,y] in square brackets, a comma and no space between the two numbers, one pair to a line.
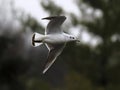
[53,54]
[54,24]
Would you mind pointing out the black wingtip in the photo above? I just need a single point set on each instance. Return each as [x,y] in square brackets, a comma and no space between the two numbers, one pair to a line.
[33,38]
[53,17]
[49,18]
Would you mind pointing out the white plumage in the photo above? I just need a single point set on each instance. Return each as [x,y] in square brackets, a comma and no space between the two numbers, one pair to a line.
[54,38]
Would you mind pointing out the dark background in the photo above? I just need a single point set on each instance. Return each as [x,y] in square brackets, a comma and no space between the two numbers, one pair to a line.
[81,66]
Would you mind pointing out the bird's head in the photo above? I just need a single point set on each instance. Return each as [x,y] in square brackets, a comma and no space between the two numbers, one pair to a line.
[74,38]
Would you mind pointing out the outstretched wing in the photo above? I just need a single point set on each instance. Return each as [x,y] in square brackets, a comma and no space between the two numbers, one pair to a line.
[54,52]
[54,24]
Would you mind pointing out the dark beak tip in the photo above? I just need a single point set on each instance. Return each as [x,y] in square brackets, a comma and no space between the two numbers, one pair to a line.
[78,41]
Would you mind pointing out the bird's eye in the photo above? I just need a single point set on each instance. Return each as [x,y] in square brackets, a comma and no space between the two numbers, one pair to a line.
[72,37]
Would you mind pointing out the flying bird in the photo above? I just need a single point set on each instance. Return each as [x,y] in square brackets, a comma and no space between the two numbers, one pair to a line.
[54,39]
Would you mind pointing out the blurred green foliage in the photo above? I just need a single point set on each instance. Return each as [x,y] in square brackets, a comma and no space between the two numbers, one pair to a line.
[51,8]
[87,68]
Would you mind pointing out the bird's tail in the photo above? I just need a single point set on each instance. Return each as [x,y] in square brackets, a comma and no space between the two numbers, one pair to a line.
[37,39]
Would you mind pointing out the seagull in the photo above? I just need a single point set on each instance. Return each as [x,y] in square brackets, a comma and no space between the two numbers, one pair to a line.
[54,39]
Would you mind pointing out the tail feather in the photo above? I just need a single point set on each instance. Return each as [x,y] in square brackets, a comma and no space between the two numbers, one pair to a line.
[37,39]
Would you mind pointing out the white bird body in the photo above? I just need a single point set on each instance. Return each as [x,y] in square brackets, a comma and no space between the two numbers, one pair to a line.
[54,38]
[57,38]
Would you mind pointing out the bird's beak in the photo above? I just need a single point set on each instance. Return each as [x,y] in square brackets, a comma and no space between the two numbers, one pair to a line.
[78,40]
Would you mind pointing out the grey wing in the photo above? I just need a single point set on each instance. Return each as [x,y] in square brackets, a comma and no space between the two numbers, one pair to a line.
[54,52]
[54,24]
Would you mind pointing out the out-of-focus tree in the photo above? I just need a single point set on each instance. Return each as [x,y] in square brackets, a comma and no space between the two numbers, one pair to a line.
[16,59]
